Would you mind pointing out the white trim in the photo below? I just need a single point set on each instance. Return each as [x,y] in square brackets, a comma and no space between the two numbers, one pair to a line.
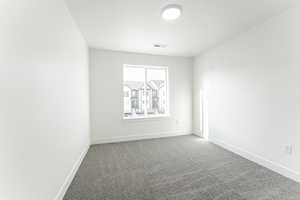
[140,137]
[259,160]
[63,189]
[147,66]
[148,117]
[197,133]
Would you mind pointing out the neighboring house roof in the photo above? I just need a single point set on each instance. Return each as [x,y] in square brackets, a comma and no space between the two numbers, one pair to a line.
[136,85]
[156,84]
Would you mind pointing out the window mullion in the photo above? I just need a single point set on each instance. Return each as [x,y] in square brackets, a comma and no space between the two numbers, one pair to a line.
[145,90]
[167,91]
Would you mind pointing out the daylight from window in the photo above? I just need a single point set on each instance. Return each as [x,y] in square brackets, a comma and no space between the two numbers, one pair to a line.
[145,91]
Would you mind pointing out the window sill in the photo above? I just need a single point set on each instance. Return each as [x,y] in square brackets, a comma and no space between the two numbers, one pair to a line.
[142,118]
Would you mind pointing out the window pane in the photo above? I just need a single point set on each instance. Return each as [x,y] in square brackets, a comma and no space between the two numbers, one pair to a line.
[156,95]
[133,90]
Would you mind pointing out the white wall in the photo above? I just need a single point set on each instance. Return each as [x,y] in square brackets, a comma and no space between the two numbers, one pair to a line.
[44,120]
[106,74]
[251,85]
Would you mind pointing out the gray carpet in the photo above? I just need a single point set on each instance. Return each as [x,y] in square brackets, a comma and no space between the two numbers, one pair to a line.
[179,168]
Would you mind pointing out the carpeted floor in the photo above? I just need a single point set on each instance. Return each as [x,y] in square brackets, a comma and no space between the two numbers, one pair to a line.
[179,168]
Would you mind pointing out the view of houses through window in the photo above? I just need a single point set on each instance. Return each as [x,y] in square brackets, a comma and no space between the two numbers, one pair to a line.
[145,91]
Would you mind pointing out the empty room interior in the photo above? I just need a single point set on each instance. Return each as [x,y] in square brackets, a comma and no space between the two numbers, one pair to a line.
[150,100]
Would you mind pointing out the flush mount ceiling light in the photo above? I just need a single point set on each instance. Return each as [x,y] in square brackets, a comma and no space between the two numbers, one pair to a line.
[171,12]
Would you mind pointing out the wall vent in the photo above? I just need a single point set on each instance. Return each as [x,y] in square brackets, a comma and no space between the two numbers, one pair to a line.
[160,45]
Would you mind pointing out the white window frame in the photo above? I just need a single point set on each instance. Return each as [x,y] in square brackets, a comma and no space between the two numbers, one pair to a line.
[146,116]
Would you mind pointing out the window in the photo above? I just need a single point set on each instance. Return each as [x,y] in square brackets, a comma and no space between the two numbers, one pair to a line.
[145,90]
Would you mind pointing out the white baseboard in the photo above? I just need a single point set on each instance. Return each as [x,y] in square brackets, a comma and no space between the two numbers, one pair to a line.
[140,137]
[197,133]
[63,189]
[259,160]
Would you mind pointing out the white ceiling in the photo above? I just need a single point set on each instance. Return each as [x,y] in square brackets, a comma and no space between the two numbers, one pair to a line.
[135,25]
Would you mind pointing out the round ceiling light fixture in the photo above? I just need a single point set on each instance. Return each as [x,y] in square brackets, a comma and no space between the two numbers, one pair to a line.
[171,12]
